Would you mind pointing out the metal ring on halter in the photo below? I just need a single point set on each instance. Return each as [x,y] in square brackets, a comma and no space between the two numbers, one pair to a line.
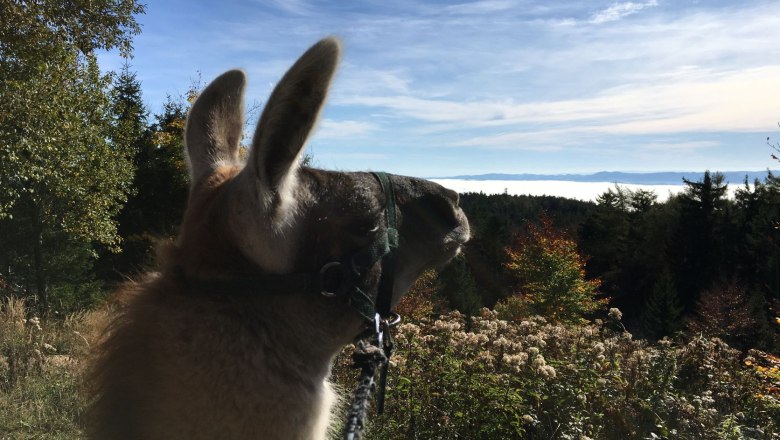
[339,290]
[393,320]
[380,335]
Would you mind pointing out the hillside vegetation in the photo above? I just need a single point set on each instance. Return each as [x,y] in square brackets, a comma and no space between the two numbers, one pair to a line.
[456,377]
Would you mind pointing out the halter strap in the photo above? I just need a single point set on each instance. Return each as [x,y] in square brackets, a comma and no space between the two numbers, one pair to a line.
[385,291]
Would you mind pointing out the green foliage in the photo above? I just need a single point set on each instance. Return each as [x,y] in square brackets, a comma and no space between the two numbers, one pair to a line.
[758,244]
[160,187]
[423,299]
[657,259]
[697,255]
[52,90]
[56,162]
[63,180]
[129,115]
[663,312]
[33,31]
[550,275]
[457,285]
[626,238]
[494,221]
[487,378]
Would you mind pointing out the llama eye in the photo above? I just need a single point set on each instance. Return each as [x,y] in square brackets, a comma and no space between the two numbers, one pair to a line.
[366,229]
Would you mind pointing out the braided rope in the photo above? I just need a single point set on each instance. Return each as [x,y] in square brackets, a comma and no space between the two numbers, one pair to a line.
[369,357]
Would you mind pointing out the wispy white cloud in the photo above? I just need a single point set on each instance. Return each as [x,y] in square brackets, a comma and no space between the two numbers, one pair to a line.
[620,10]
[498,75]
[361,156]
[341,129]
[735,101]
[296,7]
[674,147]
[361,79]
[481,7]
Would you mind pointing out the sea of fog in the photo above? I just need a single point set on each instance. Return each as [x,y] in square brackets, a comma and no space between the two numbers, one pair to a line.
[568,189]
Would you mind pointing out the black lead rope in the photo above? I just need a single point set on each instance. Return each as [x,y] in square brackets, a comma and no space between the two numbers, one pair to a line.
[385,292]
[373,352]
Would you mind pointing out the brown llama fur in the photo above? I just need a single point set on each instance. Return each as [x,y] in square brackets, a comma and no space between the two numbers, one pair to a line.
[188,360]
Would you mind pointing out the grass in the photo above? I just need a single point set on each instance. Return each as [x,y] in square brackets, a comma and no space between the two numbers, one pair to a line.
[41,364]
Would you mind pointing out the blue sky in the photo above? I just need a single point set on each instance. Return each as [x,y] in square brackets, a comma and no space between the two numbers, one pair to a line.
[446,88]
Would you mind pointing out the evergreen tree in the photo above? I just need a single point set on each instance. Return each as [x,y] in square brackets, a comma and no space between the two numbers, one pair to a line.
[129,114]
[459,288]
[626,238]
[154,210]
[130,132]
[604,236]
[699,248]
[663,310]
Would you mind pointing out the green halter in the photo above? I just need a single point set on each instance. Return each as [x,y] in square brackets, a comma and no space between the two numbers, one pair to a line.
[385,292]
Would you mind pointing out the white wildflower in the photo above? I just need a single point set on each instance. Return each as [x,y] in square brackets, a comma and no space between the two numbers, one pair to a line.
[515,361]
[502,342]
[442,325]
[409,329]
[546,371]
[36,322]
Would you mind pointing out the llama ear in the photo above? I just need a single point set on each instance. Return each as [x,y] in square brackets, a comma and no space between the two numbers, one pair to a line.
[214,124]
[291,113]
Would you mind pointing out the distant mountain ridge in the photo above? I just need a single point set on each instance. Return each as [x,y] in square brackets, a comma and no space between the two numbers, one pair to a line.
[659,178]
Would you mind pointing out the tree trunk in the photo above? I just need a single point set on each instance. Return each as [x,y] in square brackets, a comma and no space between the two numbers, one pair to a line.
[40,278]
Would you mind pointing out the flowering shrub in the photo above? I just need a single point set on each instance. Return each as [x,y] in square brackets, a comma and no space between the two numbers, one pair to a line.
[455,378]
[488,378]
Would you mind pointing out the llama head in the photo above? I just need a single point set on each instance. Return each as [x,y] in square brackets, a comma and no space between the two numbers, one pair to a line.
[272,215]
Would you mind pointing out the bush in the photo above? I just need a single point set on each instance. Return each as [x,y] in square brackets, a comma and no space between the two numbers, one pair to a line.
[454,377]
[549,274]
[488,378]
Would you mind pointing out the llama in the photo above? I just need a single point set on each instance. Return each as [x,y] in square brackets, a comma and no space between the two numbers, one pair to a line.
[200,349]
